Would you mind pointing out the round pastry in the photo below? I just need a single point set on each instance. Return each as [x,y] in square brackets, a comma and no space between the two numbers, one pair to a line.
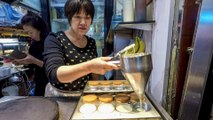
[93,83]
[126,82]
[87,108]
[118,85]
[121,98]
[90,98]
[105,83]
[124,108]
[134,97]
[106,108]
[105,98]
[117,82]
[106,105]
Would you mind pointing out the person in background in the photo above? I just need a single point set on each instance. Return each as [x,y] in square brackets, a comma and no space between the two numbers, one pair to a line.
[37,30]
[70,56]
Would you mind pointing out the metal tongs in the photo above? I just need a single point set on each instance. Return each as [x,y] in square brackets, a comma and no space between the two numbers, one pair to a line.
[116,58]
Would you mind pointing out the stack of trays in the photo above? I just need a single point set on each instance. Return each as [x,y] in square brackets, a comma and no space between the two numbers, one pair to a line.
[108,100]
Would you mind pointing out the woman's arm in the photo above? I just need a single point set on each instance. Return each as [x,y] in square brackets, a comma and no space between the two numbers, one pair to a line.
[97,66]
[58,71]
[29,59]
[38,62]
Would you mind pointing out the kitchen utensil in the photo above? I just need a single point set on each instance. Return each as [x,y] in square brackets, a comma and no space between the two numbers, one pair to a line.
[124,50]
[137,68]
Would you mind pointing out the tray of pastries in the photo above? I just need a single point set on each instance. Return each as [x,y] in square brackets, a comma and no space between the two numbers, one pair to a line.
[109,86]
[120,105]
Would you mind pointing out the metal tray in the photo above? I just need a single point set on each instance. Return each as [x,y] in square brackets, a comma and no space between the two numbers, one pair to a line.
[107,89]
[152,114]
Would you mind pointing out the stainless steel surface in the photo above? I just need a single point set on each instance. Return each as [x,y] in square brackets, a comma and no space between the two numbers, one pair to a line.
[137,68]
[4,71]
[164,114]
[146,106]
[138,26]
[12,70]
[199,64]
[67,106]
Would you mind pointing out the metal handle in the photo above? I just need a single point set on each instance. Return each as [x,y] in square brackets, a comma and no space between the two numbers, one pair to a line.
[190,50]
[198,1]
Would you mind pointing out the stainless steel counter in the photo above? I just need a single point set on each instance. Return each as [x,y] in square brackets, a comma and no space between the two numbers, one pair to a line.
[68,109]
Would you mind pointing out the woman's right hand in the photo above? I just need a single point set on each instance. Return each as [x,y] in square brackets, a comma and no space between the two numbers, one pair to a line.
[101,65]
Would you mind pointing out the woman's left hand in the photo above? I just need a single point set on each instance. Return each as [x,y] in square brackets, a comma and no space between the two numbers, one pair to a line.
[25,61]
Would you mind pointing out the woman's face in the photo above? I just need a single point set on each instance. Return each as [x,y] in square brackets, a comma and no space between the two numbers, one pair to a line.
[32,32]
[80,23]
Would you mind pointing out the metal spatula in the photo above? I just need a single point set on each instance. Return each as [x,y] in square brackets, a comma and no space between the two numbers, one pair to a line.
[116,58]
[124,50]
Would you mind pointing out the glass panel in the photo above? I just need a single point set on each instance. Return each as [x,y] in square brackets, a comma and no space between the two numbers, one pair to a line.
[97,28]
[57,18]
[60,23]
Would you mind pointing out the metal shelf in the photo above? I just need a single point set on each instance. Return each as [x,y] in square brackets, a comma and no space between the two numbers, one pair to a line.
[147,25]
[62,4]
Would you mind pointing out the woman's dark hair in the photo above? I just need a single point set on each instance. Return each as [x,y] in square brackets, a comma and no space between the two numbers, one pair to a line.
[36,22]
[75,6]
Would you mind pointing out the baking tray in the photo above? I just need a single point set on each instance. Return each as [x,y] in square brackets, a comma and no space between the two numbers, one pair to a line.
[108,89]
[152,114]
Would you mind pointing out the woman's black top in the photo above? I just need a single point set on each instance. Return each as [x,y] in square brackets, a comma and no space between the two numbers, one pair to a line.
[58,51]
[40,78]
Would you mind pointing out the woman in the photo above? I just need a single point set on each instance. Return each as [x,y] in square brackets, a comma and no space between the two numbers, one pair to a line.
[37,30]
[70,56]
